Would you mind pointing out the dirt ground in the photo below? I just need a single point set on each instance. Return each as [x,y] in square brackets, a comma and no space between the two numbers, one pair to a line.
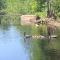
[52,22]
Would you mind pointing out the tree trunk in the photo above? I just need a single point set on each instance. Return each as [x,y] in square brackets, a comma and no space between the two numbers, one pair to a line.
[49,12]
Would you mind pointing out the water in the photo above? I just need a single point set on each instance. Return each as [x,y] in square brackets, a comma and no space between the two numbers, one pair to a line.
[45,49]
[14,47]
[11,45]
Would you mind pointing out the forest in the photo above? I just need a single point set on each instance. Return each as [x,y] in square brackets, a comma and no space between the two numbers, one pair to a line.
[37,7]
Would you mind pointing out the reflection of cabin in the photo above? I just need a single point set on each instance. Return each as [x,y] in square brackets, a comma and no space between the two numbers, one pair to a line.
[28,19]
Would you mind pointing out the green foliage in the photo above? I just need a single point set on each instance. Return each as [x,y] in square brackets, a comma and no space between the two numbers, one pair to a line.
[20,6]
[34,30]
[29,6]
[42,29]
[40,5]
[55,6]
[2,4]
[41,14]
[2,8]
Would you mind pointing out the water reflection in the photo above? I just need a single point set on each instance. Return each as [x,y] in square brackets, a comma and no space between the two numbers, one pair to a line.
[42,49]
[11,47]
[49,50]
[53,54]
[27,44]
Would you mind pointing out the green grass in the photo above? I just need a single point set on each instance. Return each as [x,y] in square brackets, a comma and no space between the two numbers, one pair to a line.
[40,30]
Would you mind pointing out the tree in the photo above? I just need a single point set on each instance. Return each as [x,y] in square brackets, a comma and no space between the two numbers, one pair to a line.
[2,4]
[40,5]
[2,7]
[53,7]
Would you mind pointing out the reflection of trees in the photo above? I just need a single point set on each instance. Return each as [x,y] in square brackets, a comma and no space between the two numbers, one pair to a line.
[5,23]
[42,49]
[1,16]
[53,54]
[2,4]
[49,52]
[5,27]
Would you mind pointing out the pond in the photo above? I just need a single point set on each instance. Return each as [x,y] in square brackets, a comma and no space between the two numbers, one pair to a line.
[42,49]
[13,46]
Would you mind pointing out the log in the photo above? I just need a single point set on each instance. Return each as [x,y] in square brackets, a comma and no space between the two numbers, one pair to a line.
[53,36]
